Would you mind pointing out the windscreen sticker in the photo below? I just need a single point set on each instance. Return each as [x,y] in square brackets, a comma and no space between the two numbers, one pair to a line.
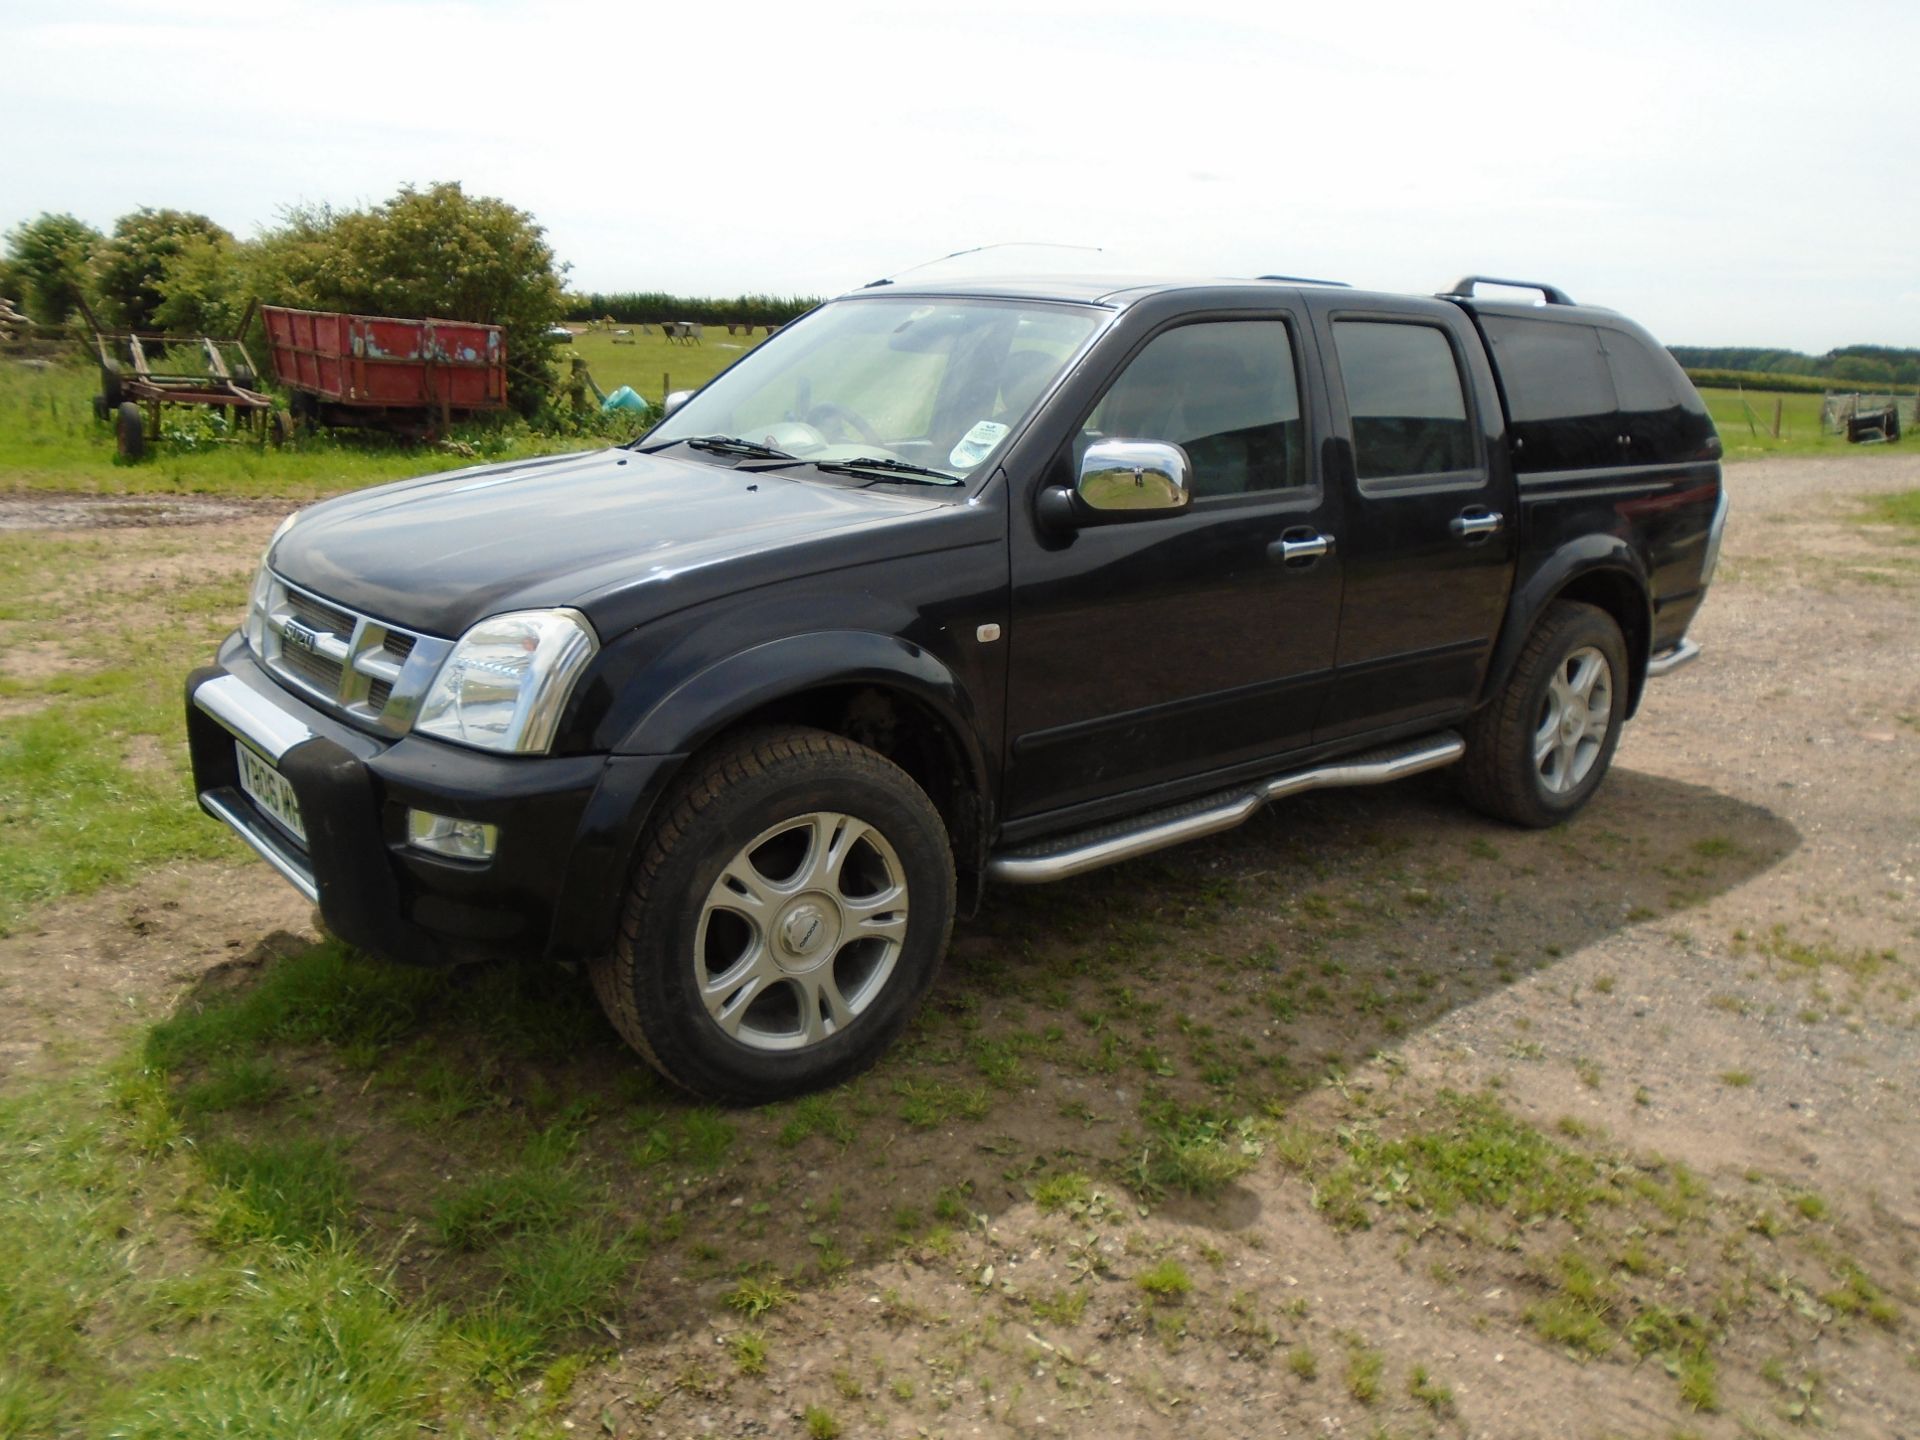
[975,444]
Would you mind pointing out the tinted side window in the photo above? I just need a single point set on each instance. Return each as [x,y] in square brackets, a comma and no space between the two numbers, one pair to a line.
[1659,410]
[1404,397]
[1560,402]
[1225,391]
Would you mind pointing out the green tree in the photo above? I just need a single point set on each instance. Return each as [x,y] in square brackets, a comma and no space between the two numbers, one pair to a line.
[438,253]
[130,269]
[204,286]
[50,255]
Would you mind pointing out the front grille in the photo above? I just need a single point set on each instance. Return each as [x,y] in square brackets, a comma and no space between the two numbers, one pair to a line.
[312,611]
[315,670]
[366,670]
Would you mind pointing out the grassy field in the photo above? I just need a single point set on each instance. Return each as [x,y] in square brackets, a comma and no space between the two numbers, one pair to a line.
[645,358]
[50,440]
[1745,422]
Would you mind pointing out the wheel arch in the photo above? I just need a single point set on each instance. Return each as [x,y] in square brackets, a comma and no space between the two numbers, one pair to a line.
[1602,571]
[881,691]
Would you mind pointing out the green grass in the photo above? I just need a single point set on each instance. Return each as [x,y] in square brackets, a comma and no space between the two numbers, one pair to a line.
[268,1335]
[292,1191]
[1748,438]
[1166,1281]
[1468,1152]
[1364,1368]
[112,641]
[540,1194]
[650,358]
[327,995]
[1901,509]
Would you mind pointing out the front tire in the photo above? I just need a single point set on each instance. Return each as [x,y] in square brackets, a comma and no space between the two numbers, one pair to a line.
[1536,754]
[787,914]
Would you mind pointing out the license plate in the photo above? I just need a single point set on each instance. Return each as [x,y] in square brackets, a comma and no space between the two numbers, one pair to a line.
[269,789]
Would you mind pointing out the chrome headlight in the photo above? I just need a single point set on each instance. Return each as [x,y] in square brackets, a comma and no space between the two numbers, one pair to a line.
[254,623]
[508,679]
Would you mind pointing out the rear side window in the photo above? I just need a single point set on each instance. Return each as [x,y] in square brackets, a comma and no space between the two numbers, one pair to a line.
[1661,416]
[1405,399]
[1560,400]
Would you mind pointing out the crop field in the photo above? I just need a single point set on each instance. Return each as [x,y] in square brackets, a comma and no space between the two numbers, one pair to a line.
[1371,1118]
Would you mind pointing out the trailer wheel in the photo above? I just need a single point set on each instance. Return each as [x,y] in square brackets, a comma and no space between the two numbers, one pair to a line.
[129,431]
[110,391]
[101,409]
[245,378]
[280,427]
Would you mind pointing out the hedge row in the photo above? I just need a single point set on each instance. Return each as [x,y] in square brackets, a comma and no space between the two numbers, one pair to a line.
[647,307]
[1791,384]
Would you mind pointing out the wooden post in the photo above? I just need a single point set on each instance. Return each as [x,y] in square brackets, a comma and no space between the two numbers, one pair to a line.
[1779,405]
[666,388]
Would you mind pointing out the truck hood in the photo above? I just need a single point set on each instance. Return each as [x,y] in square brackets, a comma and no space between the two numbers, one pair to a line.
[619,535]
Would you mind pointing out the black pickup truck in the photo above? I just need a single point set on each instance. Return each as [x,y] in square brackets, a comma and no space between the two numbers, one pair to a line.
[950,584]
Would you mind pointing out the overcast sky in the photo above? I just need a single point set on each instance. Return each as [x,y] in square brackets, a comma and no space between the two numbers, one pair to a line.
[1726,174]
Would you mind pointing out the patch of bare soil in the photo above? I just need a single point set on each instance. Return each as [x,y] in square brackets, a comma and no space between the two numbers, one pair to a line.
[1702,993]
[77,976]
[54,510]
[31,662]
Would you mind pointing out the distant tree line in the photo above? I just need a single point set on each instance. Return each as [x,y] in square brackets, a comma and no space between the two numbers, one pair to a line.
[648,307]
[1850,364]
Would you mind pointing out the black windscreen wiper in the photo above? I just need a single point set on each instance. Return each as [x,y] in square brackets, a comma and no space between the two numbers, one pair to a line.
[731,445]
[861,463]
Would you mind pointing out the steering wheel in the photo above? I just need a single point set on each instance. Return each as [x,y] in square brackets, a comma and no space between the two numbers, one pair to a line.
[828,411]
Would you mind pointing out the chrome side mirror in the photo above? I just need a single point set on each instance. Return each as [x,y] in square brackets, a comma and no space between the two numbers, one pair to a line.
[675,401]
[1134,476]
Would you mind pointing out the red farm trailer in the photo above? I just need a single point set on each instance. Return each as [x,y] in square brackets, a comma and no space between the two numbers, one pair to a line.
[412,376]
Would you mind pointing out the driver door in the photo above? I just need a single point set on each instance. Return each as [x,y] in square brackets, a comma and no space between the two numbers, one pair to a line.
[1155,651]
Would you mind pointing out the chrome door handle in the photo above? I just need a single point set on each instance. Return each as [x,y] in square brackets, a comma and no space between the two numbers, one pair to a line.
[1476,524]
[1300,547]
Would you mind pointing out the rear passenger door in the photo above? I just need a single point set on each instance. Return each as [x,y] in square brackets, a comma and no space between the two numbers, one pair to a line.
[1427,553]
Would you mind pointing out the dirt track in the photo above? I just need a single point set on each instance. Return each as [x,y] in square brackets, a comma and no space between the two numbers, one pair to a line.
[1717,966]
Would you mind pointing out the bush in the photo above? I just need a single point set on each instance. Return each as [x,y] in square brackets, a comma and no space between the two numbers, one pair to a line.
[48,258]
[131,268]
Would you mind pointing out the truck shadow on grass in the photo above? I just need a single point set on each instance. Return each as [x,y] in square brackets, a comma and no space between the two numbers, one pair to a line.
[1119,1039]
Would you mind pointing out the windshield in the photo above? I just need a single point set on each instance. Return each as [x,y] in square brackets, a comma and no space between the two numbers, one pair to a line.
[932,386]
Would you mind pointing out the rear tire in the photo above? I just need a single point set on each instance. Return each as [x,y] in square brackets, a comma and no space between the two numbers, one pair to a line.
[787,913]
[1536,754]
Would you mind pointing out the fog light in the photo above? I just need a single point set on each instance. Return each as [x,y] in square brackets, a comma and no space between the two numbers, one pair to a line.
[458,839]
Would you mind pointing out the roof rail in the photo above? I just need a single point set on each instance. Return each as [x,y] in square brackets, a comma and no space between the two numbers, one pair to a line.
[1463,288]
[1304,280]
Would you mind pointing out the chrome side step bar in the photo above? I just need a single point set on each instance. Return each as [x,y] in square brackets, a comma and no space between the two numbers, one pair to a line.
[1070,855]
[1668,661]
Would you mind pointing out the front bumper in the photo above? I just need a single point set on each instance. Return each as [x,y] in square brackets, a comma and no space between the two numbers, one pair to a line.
[567,825]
